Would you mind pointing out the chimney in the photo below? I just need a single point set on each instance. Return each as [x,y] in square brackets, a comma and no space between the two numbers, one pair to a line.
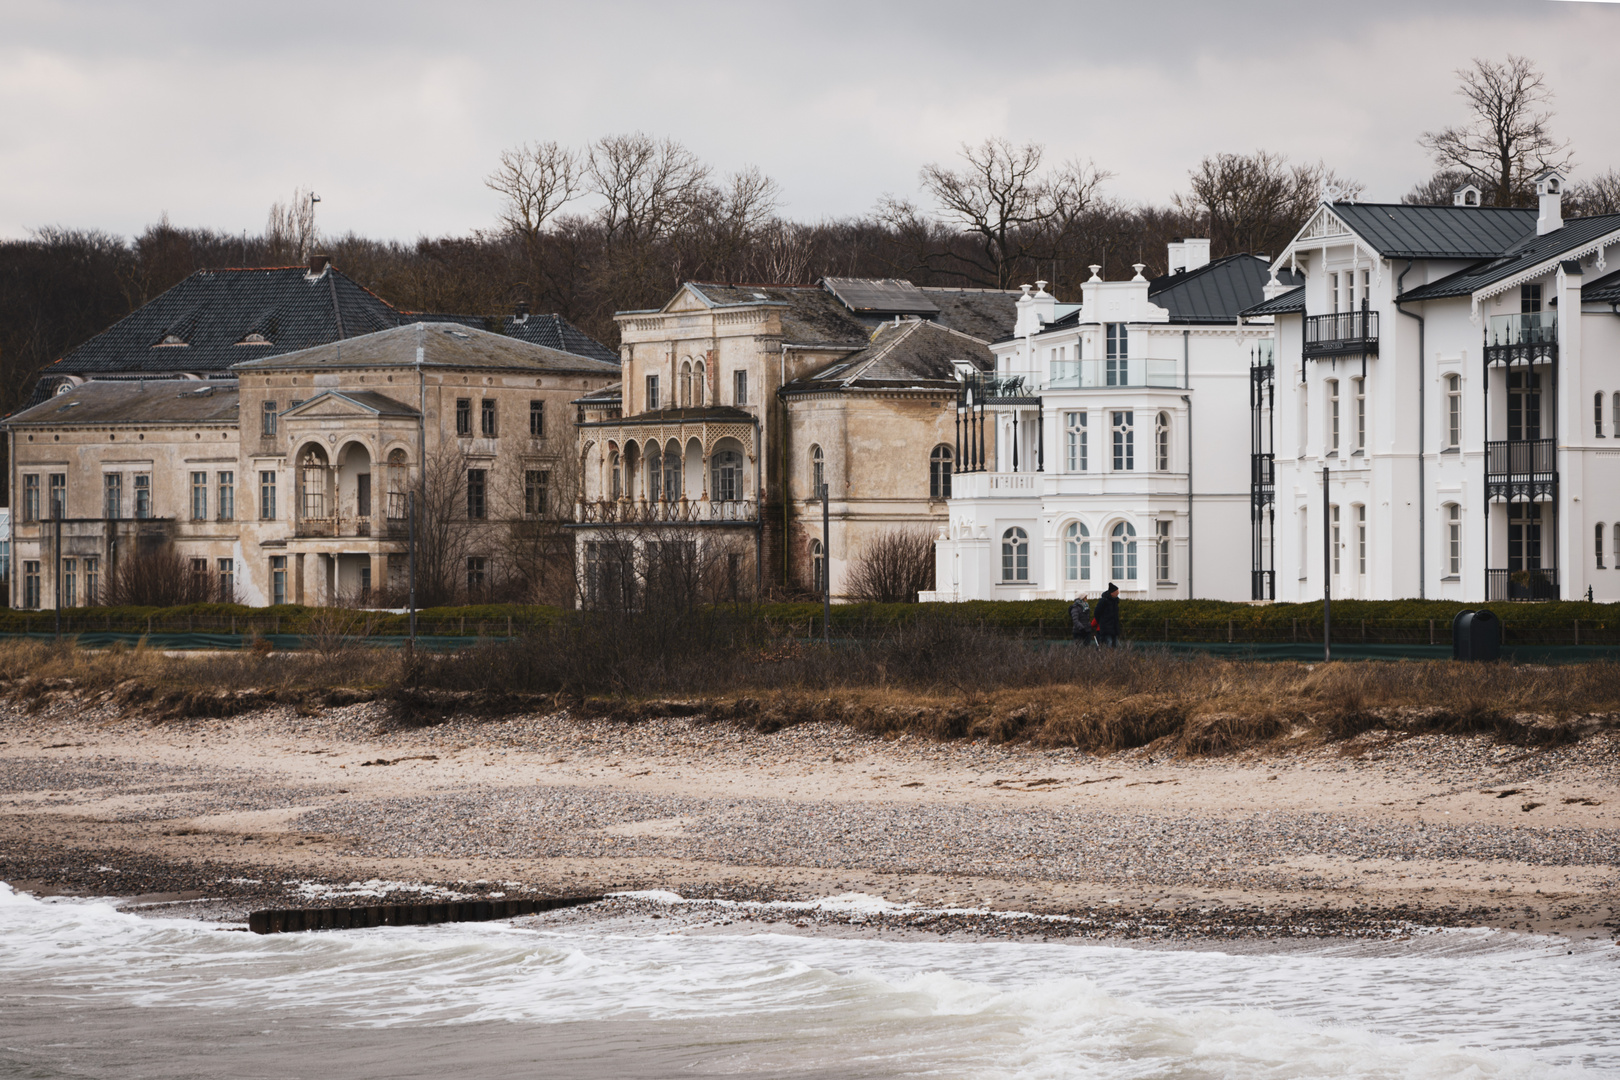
[521,315]
[318,264]
[1187,255]
[1550,188]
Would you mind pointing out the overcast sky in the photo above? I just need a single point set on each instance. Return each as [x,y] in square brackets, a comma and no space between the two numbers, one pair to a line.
[113,113]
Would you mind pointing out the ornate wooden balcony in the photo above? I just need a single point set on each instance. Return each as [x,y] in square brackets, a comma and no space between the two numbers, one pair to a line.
[1521,470]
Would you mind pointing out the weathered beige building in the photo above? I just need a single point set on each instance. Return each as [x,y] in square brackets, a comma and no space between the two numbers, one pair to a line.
[291,484]
[738,400]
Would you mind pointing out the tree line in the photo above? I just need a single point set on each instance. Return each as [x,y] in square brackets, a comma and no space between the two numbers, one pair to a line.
[619,224]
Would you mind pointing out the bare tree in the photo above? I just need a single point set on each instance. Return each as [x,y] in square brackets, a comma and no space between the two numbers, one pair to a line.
[1007,203]
[1506,141]
[1438,189]
[1257,202]
[445,535]
[535,181]
[289,232]
[535,497]
[1589,198]
[893,567]
[649,187]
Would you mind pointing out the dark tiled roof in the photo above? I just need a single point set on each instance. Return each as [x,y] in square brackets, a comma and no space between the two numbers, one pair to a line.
[916,353]
[370,400]
[555,332]
[215,311]
[880,296]
[814,316]
[982,313]
[442,344]
[145,401]
[1399,231]
[1216,292]
[1605,290]
[1291,302]
[1518,257]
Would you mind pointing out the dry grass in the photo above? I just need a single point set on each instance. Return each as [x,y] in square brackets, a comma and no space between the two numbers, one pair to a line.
[937,681]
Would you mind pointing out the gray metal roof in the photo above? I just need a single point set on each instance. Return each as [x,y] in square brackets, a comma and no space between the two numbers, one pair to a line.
[442,344]
[139,402]
[1399,231]
[1216,292]
[1291,302]
[880,296]
[915,354]
[1605,290]
[1519,257]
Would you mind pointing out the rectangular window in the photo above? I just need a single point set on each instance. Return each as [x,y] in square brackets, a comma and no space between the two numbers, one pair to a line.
[1597,414]
[70,582]
[477,567]
[1333,416]
[1453,412]
[1529,299]
[537,419]
[1337,542]
[227,496]
[1361,540]
[486,418]
[739,381]
[1360,386]
[652,392]
[1118,354]
[227,581]
[267,495]
[30,583]
[1124,441]
[143,495]
[464,417]
[1597,545]
[31,497]
[268,419]
[362,495]
[1075,426]
[199,577]
[112,504]
[1161,443]
[536,487]
[199,496]
[1454,540]
[58,495]
[1333,289]
[1162,534]
[475,494]
[278,579]
[92,581]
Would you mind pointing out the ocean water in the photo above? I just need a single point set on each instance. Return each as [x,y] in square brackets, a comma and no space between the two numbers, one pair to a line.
[88,991]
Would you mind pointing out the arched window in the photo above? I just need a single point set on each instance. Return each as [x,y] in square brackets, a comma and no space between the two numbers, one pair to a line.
[818,567]
[939,473]
[1453,540]
[1161,443]
[700,384]
[1076,553]
[1453,411]
[686,383]
[1015,555]
[1617,541]
[655,475]
[725,476]
[1361,539]
[1597,545]
[1122,546]
[1597,416]
[1615,412]
[672,471]
[613,475]
[818,470]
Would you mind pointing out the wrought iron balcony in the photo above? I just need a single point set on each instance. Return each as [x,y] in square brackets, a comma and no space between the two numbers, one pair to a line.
[1526,338]
[1344,333]
[1521,470]
[1119,371]
[997,389]
[1538,584]
[1262,478]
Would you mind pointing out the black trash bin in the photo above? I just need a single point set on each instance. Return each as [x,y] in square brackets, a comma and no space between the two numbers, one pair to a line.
[1476,635]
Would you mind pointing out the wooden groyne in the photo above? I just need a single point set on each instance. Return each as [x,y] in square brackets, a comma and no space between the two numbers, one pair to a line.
[295,920]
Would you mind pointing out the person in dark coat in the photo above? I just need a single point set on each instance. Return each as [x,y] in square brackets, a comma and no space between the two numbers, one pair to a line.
[1108,617]
[1080,619]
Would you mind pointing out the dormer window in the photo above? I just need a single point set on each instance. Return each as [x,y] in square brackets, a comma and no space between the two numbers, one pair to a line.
[1468,195]
[170,340]
[254,339]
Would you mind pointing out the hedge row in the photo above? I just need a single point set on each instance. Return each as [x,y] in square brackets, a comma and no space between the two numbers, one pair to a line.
[284,619]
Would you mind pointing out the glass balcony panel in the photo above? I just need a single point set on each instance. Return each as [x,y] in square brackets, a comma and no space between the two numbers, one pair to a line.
[1525,328]
[1123,371]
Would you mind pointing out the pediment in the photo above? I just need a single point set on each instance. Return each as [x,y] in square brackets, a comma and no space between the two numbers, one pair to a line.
[1323,224]
[330,404]
[687,299]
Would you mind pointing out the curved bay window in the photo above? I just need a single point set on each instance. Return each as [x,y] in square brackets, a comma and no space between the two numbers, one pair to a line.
[939,472]
[1015,555]
[1122,548]
[1076,553]
[726,476]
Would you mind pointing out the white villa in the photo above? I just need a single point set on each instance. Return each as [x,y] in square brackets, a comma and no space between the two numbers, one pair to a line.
[1109,444]
[1442,418]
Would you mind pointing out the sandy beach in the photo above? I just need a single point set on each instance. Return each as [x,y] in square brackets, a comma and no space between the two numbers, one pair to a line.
[1380,836]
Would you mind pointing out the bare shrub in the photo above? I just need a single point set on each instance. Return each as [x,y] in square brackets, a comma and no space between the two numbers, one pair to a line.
[893,567]
[157,577]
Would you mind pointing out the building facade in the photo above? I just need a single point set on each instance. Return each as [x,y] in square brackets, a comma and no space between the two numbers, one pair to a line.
[1104,447]
[290,483]
[1440,417]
